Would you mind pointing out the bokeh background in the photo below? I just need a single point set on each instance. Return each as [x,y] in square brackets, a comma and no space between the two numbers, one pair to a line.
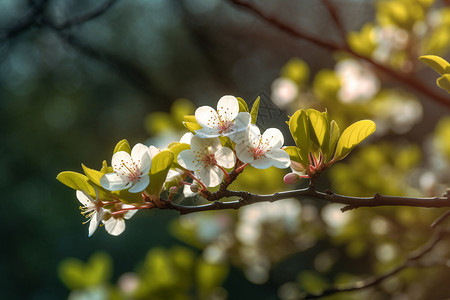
[77,76]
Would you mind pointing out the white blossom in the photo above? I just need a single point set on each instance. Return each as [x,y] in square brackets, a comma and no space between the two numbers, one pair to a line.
[90,209]
[226,121]
[263,151]
[115,224]
[130,171]
[205,157]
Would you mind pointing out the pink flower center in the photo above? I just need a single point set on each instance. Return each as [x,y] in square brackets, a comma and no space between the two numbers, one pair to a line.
[208,159]
[224,125]
[131,172]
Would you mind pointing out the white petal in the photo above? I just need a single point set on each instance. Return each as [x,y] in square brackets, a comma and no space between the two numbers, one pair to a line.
[187,160]
[273,138]
[114,182]
[93,224]
[205,144]
[141,156]
[225,157]
[211,176]
[140,184]
[228,108]
[174,174]
[207,132]
[186,138]
[244,153]
[152,151]
[206,116]
[129,213]
[262,163]
[115,226]
[119,160]
[187,191]
[84,198]
[280,158]
[241,124]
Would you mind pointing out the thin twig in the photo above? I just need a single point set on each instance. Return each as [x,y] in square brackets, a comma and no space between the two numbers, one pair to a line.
[374,280]
[332,10]
[406,79]
[441,219]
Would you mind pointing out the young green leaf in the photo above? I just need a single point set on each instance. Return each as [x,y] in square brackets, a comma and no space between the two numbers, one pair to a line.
[320,128]
[242,105]
[158,172]
[176,148]
[439,64]
[123,145]
[293,153]
[76,181]
[334,136]
[299,127]
[255,109]
[352,136]
[444,82]
[191,123]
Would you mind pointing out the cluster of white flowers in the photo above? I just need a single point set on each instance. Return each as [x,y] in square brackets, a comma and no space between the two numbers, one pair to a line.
[208,157]
[206,161]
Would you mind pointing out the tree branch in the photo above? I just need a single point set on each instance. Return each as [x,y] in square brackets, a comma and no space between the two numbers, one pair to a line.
[406,79]
[246,198]
[411,261]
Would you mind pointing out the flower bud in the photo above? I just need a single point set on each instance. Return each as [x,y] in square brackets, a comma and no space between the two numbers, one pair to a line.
[291,178]
[297,167]
[173,190]
[194,188]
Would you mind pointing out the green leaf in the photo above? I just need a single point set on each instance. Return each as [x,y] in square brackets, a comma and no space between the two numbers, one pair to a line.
[320,128]
[439,64]
[158,172]
[176,148]
[293,153]
[299,127]
[76,274]
[191,123]
[334,136]
[92,174]
[444,82]
[255,109]
[76,181]
[352,136]
[242,105]
[123,145]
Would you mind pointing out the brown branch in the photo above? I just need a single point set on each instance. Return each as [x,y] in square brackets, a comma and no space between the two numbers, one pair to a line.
[246,198]
[332,10]
[413,83]
[411,261]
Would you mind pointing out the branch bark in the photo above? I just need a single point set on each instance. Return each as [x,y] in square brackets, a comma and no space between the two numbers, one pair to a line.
[406,79]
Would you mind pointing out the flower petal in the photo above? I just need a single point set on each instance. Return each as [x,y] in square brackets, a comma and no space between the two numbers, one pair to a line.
[279,157]
[141,156]
[262,163]
[129,214]
[207,132]
[186,138]
[273,138]
[205,144]
[225,157]
[244,153]
[187,160]
[206,116]
[228,108]
[140,184]
[93,224]
[84,198]
[152,151]
[211,176]
[115,226]
[114,182]
[119,161]
[241,124]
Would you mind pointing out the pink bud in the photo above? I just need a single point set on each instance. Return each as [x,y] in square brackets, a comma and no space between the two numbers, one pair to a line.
[291,178]
[173,190]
